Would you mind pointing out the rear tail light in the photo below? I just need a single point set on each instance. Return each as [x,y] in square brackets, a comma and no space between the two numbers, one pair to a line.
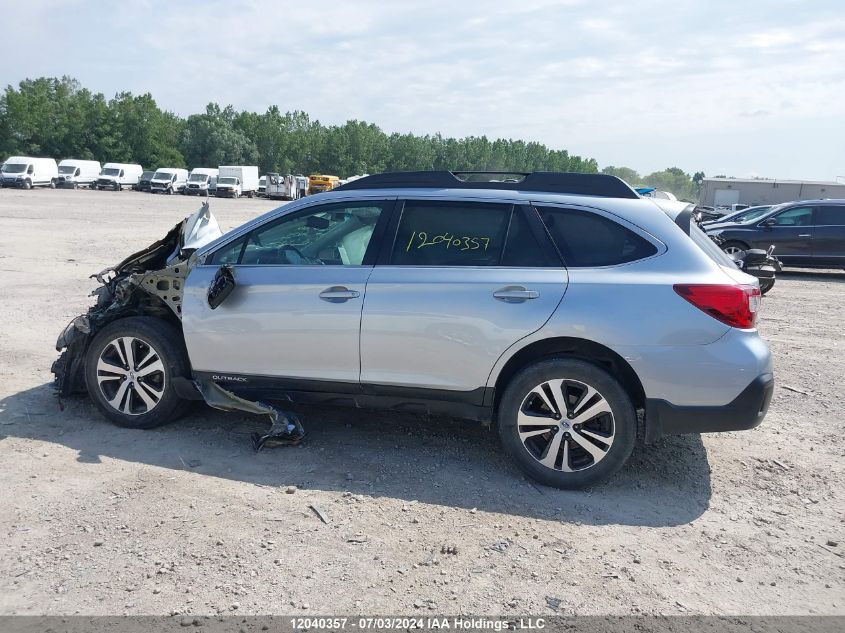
[736,306]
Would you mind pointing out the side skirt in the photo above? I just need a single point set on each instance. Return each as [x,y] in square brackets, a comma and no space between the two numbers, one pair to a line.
[457,404]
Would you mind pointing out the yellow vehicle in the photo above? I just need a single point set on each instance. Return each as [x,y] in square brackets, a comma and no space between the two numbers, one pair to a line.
[318,183]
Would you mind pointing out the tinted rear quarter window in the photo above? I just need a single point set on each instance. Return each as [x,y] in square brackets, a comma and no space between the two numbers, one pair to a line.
[586,239]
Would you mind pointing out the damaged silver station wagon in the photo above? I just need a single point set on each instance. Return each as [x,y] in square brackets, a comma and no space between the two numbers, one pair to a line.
[574,315]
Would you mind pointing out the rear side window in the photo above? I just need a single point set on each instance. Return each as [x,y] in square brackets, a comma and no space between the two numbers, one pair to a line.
[830,215]
[451,234]
[587,239]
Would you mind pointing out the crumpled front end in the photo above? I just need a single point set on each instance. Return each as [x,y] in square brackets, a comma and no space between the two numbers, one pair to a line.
[149,282]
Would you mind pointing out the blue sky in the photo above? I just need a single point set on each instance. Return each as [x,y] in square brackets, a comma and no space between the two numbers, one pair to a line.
[743,88]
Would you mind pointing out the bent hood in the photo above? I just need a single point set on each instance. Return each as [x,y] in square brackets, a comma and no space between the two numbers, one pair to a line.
[181,241]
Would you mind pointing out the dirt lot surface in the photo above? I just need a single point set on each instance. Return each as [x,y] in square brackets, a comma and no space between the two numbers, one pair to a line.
[423,516]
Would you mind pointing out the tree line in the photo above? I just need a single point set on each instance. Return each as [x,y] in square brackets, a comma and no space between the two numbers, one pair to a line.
[56,117]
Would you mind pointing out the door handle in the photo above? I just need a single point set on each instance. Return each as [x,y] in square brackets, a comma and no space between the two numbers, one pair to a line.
[515,294]
[804,235]
[339,294]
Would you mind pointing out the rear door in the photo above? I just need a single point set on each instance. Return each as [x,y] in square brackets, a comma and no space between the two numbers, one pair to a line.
[458,283]
[829,235]
[791,232]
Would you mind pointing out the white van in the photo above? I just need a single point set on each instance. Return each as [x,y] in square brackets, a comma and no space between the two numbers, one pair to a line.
[117,176]
[169,180]
[73,172]
[236,181]
[202,182]
[27,172]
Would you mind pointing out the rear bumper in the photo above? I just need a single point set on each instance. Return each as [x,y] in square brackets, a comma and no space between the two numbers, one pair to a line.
[744,412]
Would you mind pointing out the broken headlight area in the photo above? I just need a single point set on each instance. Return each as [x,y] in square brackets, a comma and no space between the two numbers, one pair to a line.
[147,283]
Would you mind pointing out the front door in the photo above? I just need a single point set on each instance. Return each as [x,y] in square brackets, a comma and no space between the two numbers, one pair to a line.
[295,312]
[461,282]
[791,232]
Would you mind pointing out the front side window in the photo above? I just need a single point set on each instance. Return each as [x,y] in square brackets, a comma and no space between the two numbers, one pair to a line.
[830,215]
[329,235]
[799,216]
[434,233]
[587,239]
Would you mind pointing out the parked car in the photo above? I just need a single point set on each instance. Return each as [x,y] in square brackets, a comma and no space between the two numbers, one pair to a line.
[73,172]
[169,180]
[809,233]
[144,181]
[27,172]
[556,308]
[116,176]
[743,215]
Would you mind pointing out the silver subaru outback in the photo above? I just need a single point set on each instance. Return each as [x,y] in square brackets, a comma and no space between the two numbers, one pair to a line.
[564,309]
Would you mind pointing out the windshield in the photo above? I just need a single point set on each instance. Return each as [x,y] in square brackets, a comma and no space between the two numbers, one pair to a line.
[163,175]
[227,181]
[749,215]
[147,175]
[14,168]
[198,177]
[111,171]
[67,169]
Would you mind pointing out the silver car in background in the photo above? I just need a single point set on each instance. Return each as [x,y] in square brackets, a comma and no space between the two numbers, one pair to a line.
[566,310]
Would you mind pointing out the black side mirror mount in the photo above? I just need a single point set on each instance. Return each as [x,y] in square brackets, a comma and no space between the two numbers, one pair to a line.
[221,286]
[769,223]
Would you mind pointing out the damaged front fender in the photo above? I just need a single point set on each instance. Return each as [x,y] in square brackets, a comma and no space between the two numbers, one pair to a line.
[149,282]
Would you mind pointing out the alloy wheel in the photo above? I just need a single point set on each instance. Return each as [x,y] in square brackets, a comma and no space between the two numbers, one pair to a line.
[566,425]
[131,375]
[732,250]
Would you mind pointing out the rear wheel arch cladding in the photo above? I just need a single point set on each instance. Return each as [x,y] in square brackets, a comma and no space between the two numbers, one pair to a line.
[582,349]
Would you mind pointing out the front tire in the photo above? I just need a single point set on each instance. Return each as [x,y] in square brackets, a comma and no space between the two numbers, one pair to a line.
[766,285]
[129,370]
[733,247]
[567,423]
[27,184]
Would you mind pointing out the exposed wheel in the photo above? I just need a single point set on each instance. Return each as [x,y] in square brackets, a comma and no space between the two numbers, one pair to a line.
[129,371]
[52,184]
[236,195]
[170,191]
[27,184]
[766,285]
[76,185]
[567,423]
[93,187]
[732,248]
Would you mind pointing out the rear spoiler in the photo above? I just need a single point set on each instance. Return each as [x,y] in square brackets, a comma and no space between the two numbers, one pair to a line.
[684,218]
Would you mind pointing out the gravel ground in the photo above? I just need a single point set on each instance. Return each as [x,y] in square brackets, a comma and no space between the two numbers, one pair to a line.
[423,516]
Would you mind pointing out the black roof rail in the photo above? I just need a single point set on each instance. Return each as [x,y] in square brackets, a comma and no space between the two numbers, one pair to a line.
[541,181]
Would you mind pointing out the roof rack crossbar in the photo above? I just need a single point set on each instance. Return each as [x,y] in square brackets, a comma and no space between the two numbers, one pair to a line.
[601,185]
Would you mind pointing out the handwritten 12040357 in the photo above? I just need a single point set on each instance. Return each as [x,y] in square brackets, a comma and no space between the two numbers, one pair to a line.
[419,239]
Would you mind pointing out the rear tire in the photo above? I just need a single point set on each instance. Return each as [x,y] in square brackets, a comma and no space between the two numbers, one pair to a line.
[567,423]
[766,285]
[129,370]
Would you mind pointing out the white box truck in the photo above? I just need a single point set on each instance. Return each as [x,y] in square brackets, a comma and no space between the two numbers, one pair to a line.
[73,172]
[169,180]
[201,182]
[116,176]
[235,181]
[27,172]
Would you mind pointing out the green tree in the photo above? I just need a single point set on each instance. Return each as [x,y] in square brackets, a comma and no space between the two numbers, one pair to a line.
[625,173]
